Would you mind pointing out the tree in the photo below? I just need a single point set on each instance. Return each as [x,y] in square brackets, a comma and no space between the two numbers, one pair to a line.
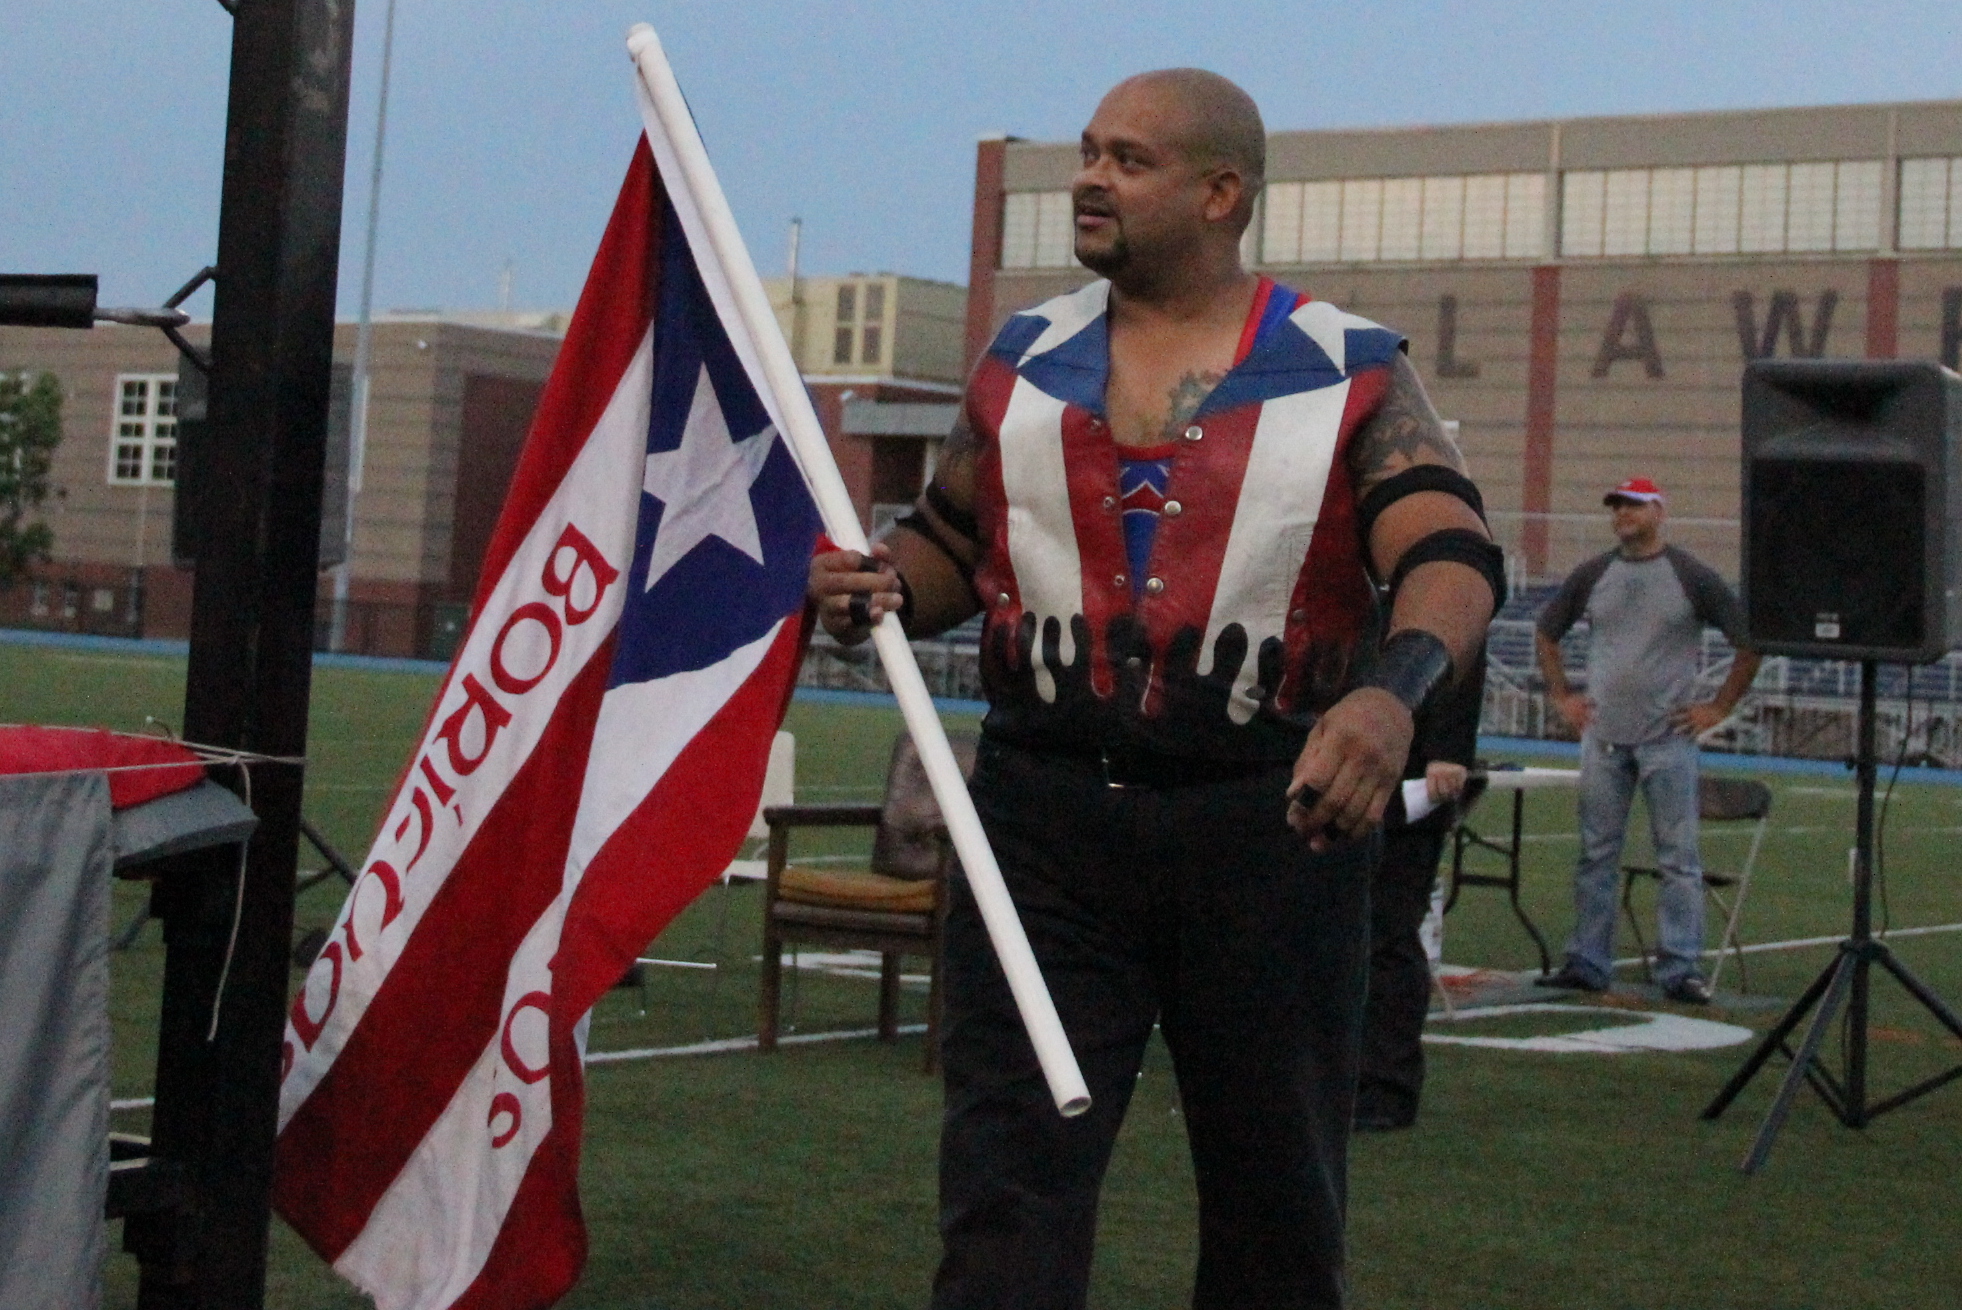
[30,429]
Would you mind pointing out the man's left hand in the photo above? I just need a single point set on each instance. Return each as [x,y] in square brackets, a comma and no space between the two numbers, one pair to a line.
[1695,720]
[1353,761]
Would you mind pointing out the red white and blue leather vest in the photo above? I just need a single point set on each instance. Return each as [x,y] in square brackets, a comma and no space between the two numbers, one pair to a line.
[1257,603]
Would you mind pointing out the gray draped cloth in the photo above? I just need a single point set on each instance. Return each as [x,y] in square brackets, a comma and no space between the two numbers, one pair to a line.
[56,853]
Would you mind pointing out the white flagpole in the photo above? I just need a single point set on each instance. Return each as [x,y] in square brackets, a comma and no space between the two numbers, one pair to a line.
[807,442]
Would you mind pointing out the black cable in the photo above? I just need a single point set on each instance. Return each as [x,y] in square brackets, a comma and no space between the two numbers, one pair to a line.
[1880,828]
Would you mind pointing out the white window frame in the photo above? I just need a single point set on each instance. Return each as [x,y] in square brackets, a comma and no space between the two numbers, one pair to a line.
[143,430]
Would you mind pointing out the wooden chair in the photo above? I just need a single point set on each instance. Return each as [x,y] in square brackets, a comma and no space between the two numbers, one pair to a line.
[1718,800]
[897,906]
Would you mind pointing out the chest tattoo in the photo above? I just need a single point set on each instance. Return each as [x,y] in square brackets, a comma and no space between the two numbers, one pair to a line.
[1182,401]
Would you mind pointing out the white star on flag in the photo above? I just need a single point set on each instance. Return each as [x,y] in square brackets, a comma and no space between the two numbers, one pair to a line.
[703,485]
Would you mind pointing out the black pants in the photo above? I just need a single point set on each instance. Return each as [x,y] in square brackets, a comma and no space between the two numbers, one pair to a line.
[1399,976]
[1194,906]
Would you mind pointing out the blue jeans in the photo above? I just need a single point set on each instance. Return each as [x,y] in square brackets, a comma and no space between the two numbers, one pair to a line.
[1665,771]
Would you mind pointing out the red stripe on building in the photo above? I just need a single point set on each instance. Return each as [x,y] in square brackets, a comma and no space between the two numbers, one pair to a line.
[984,257]
[1542,368]
[444,995]
[1883,308]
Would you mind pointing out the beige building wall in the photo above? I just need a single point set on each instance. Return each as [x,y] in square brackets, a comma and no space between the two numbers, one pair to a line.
[872,326]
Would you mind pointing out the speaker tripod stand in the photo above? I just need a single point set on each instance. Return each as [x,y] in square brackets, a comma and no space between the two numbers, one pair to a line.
[1845,982]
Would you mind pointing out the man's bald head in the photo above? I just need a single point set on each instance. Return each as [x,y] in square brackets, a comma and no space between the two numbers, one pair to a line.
[1220,125]
[1171,163]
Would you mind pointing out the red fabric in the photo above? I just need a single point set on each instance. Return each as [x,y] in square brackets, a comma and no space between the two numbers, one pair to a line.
[33,749]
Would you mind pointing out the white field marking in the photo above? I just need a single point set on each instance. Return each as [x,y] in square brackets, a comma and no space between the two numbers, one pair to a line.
[141,661]
[1821,791]
[1800,943]
[723,1046]
[845,964]
[678,964]
[1640,1032]
[134,1103]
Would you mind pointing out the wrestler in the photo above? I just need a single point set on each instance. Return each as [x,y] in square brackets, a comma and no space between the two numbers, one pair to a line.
[1172,493]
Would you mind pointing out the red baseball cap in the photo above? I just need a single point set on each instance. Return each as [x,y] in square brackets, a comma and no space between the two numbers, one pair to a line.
[1634,489]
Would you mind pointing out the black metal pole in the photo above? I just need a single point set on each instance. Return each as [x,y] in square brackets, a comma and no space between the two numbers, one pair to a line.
[1866,770]
[251,645]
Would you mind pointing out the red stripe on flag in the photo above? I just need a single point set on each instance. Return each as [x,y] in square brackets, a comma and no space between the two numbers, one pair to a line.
[442,1000]
[614,310]
[677,840]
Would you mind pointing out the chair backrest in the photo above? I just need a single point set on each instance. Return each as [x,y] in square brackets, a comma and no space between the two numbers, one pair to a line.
[779,782]
[1722,799]
[905,845]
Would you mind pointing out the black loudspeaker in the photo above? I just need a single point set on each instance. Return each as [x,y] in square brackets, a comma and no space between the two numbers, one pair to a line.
[1852,508]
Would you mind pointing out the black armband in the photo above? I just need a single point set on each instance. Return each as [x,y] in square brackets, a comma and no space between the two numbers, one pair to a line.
[905,599]
[922,526]
[1412,664]
[951,514]
[1459,546]
[1421,477]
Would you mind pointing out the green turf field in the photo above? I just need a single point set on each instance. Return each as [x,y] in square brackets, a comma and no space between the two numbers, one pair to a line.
[1534,1182]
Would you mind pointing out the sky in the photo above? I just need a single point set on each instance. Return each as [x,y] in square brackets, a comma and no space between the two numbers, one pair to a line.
[511,121]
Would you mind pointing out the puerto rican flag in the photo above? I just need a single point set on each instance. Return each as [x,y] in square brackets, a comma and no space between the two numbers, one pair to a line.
[592,763]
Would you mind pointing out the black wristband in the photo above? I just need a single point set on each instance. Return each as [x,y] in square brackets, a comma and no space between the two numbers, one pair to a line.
[1412,664]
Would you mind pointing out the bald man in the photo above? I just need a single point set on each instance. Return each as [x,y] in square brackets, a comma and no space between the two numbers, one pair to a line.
[1173,494]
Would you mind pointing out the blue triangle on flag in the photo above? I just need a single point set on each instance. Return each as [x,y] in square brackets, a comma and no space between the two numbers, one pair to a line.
[716,596]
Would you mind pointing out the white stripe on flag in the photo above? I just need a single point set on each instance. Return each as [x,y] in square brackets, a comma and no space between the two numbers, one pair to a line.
[604,506]
[435,1226]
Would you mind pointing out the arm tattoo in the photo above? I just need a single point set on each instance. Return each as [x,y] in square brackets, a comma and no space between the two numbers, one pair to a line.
[948,500]
[1404,431]
[1184,401]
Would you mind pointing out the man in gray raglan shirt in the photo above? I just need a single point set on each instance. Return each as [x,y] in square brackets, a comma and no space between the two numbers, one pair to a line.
[1646,604]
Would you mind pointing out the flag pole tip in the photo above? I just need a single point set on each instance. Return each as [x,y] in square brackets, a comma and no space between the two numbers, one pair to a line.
[639,37]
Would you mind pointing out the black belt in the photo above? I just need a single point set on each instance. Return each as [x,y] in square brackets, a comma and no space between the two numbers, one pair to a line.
[1130,767]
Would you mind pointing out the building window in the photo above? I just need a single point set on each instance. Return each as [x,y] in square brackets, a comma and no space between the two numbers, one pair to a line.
[871,353]
[1038,230]
[848,302]
[1721,209]
[841,345]
[143,436]
[875,301]
[1486,216]
[1931,204]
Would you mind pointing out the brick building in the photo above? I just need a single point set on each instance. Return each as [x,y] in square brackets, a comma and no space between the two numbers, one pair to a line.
[1580,294]
[452,398]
